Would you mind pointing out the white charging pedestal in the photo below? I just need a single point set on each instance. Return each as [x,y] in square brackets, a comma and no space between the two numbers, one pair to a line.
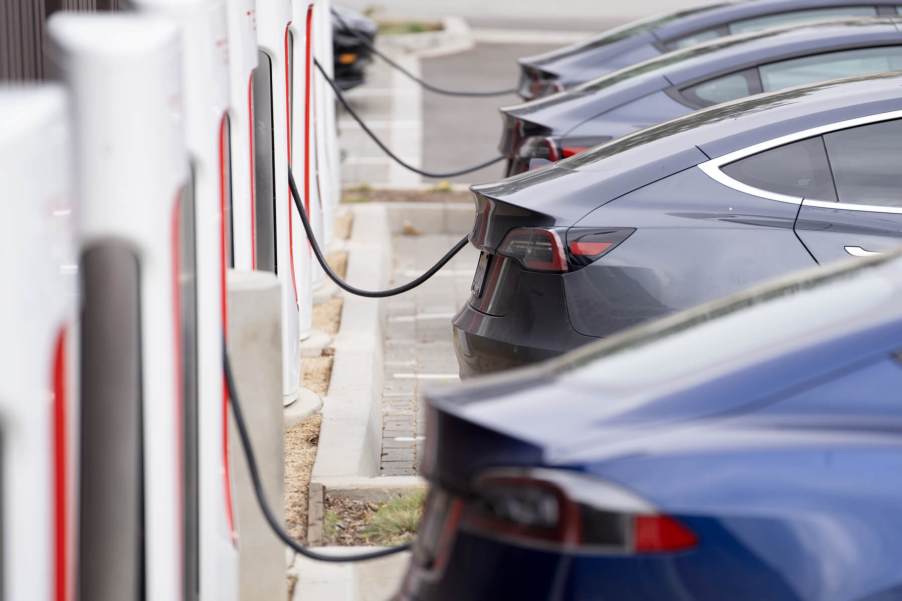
[38,348]
[302,159]
[271,114]
[138,333]
[207,127]
[242,41]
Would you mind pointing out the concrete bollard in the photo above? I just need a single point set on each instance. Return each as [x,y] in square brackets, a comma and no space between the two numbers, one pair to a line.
[255,350]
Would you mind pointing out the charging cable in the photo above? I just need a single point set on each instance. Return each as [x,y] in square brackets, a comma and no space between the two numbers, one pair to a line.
[347,106]
[425,84]
[318,253]
[253,469]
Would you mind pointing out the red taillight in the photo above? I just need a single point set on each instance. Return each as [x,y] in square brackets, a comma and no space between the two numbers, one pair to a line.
[541,249]
[536,249]
[661,534]
[569,151]
[60,426]
[587,245]
[556,509]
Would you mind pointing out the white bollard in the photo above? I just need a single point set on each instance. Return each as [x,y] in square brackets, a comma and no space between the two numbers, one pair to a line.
[254,349]
[301,158]
[138,332]
[242,29]
[271,105]
[205,80]
[38,346]
[330,125]
[321,181]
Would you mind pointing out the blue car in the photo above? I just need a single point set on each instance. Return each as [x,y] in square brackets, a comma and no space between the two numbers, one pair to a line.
[748,450]
[648,38]
[682,213]
[680,82]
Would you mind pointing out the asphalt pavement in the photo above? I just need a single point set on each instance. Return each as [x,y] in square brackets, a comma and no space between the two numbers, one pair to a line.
[458,132]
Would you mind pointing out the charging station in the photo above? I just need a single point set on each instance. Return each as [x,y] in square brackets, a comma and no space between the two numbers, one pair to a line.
[273,205]
[301,47]
[242,43]
[139,326]
[330,170]
[208,130]
[38,349]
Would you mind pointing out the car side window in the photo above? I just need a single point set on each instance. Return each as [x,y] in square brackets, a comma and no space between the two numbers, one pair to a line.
[799,169]
[831,65]
[867,163]
[771,21]
[799,17]
[724,88]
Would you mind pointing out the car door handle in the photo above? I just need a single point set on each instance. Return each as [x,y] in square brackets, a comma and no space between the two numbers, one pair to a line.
[857,251]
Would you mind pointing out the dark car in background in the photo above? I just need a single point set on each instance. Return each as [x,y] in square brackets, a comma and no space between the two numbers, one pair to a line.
[352,34]
[642,40]
[683,81]
[748,450]
[681,213]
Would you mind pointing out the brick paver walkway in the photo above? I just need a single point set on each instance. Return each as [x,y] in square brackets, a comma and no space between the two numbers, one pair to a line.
[418,347]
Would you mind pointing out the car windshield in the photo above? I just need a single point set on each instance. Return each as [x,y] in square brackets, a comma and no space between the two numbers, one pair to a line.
[635,27]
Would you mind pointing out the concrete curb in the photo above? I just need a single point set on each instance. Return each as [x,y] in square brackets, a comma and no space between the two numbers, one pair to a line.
[349,444]
[455,36]
[368,581]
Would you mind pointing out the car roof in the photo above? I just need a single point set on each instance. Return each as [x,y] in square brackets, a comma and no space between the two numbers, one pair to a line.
[731,126]
[738,52]
[725,55]
[722,14]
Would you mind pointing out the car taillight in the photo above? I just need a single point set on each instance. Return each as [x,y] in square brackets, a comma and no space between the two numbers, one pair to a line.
[539,148]
[537,249]
[587,245]
[543,84]
[570,512]
[542,249]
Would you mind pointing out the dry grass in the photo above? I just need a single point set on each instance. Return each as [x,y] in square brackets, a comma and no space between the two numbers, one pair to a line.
[350,522]
[338,261]
[300,453]
[438,194]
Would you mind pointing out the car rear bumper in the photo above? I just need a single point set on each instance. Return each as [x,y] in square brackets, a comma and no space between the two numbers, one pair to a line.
[486,343]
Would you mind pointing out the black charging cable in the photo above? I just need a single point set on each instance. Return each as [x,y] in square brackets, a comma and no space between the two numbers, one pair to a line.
[318,253]
[260,494]
[425,84]
[347,106]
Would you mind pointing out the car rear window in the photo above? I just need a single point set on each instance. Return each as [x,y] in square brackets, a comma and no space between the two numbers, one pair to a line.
[867,163]
[800,170]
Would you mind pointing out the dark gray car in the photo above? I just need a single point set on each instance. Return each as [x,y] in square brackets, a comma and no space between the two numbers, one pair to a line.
[681,213]
[683,81]
[642,40]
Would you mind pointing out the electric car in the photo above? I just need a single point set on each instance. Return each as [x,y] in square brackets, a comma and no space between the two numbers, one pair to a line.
[351,55]
[746,450]
[683,81]
[674,215]
[635,42]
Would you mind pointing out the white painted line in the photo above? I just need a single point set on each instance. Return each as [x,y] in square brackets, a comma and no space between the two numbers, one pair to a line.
[407,106]
[346,124]
[445,273]
[421,316]
[409,438]
[405,376]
